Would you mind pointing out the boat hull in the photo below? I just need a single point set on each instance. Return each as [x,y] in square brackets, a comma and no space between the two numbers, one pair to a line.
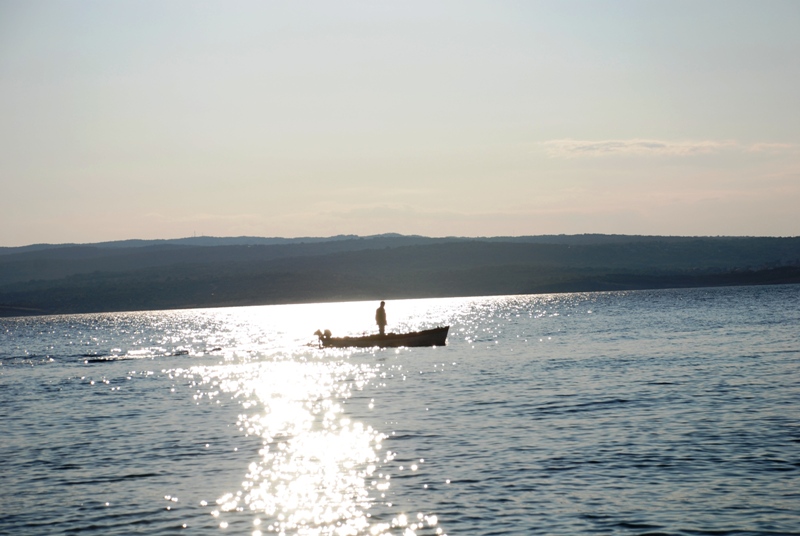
[429,337]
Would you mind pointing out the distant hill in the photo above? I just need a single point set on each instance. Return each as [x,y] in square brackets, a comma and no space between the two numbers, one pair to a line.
[583,239]
[190,241]
[209,272]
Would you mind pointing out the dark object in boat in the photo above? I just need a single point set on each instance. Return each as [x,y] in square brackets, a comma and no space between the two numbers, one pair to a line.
[428,337]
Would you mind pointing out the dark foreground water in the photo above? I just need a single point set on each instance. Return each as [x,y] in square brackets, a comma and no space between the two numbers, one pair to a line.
[658,412]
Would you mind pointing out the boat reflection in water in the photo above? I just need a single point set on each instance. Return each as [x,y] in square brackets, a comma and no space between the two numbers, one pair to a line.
[428,337]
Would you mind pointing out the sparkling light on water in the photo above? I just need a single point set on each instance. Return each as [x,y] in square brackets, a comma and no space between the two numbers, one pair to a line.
[318,471]
[311,477]
[571,414]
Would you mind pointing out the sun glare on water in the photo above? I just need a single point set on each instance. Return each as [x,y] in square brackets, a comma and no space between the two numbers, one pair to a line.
[318,472]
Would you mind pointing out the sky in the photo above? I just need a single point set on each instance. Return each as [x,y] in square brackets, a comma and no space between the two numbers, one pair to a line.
[151,119]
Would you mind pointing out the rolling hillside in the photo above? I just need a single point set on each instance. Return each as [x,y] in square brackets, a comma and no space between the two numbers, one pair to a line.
[204,272]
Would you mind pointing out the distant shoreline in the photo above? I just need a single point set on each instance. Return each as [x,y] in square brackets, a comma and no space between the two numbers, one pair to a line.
[614,283]
[138,276]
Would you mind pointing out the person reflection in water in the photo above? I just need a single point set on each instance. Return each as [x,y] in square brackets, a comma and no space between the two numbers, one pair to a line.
[380,318]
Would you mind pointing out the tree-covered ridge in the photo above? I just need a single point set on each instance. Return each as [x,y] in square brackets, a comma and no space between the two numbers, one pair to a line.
[103,277]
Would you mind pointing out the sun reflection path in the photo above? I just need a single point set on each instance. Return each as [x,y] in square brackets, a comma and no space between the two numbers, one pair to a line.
[318,471]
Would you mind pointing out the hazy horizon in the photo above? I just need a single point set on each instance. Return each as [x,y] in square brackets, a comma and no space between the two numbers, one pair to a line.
[345,236]
[153,120]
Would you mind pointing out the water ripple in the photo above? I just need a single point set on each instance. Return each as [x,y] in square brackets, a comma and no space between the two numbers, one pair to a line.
[663,412]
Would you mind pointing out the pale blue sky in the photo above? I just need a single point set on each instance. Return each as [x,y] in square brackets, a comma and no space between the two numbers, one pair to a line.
[153,119]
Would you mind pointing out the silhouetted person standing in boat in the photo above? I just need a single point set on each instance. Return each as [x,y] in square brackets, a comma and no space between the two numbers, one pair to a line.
[380,318]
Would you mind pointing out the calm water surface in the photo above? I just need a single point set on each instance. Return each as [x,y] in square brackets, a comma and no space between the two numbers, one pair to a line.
[656,412]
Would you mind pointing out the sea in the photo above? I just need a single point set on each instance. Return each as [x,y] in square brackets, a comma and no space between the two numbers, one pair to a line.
[659,412]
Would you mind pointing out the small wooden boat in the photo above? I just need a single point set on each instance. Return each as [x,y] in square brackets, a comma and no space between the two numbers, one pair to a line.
[428,337]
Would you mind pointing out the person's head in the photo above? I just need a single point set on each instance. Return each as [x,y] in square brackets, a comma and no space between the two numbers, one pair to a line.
[383,303]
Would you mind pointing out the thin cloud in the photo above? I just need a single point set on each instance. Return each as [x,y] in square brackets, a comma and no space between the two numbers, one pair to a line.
[772,148]
[642,147]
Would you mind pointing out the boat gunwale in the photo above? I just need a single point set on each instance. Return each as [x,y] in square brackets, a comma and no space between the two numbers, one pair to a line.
[390,339]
